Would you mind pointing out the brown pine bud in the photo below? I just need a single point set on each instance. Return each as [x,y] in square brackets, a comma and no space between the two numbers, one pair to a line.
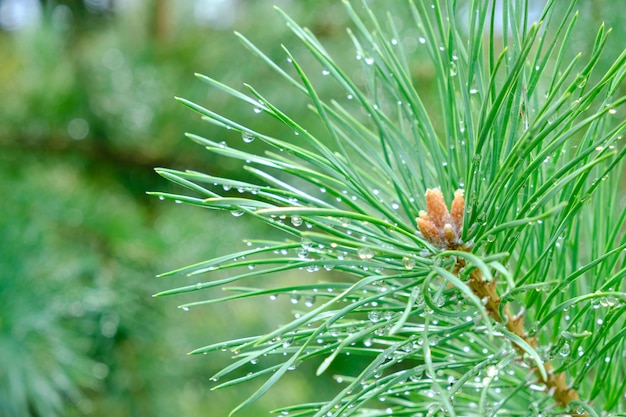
[437,224]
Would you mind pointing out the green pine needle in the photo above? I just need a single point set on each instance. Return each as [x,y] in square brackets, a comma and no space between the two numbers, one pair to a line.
[529,128]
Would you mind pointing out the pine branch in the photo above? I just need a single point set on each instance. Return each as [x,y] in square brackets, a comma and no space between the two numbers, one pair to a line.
[442,228]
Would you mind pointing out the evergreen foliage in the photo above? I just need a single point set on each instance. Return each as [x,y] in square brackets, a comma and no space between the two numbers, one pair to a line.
[513,302]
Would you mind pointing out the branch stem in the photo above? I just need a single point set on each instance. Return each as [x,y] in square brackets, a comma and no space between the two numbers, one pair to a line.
[556,384]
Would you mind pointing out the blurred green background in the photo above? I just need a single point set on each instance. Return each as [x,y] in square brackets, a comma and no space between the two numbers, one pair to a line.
[87,112]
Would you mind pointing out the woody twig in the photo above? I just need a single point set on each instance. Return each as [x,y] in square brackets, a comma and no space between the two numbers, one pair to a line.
[443,229]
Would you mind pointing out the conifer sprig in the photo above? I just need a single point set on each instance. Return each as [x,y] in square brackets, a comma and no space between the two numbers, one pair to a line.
[518,306]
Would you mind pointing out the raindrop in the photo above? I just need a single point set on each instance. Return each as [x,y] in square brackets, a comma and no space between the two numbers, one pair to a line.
[309,301]
[237,213]
[492,371]
[374,316]
[325,72]
[422,40]
[408,263]
[295,298]
[365,253]
[381,331]
[296,220]
[247,137]
[369,61]
[433,340]
[565,350]
[452,69]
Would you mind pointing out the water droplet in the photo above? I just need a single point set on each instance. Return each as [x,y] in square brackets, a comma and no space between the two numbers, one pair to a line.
[374,316]
[325,72]
[365,253]
[491,238]
[452,69]
[433,340]
[237,213]
[309,301]
[422,40]
[296,220]
[257,110]
[295,298]
[369,61]
[408,263]
[492,371]
[247,137]
[565,350]
[185,308]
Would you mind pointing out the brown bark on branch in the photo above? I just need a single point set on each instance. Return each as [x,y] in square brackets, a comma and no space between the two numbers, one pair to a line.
[443,229]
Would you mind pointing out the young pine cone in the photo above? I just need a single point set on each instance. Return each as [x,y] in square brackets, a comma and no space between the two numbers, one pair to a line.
[439,226]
